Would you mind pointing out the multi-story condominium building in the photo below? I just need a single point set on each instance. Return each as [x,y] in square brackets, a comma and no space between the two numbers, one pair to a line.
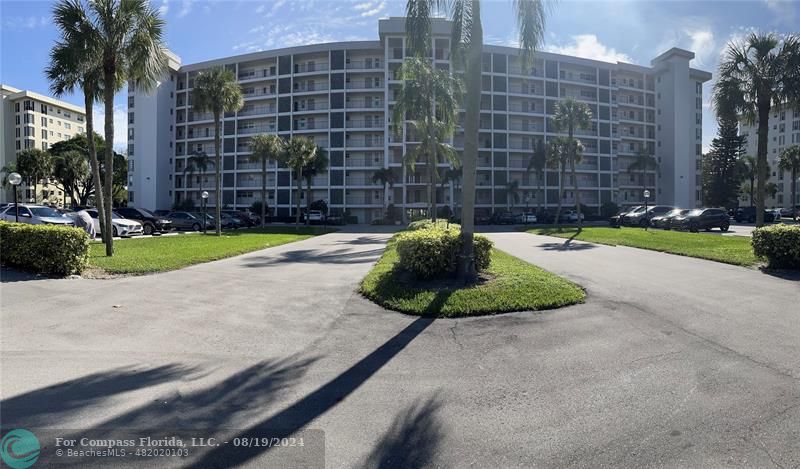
[784,131]
[342,94]
[31,120]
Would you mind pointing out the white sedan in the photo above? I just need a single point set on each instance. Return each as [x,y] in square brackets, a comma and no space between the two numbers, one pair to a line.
[121,226]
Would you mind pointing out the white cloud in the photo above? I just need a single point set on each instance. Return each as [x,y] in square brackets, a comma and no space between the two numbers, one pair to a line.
[120,125]
[589,47]
[16,23]
[784,10]
[703,44]
[377,9]
[164,8]
[186,8]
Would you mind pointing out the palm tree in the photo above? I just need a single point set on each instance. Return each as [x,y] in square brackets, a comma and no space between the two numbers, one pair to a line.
[644,161]
[70,168]
[537,164]
[428,101]
[433,148]
[217,91]
[756,74]
[385,177]
[571,115]
[512,193]
[34,165]
[74,64]
[454,176]
[557,158]
[789,160]
[300,151]
[197,163]
[466,45]
[317,164]
[748,172]
[264,148]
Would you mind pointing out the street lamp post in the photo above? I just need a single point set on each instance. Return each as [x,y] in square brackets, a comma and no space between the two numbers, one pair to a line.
[204,196]
[14,179]
[646,220]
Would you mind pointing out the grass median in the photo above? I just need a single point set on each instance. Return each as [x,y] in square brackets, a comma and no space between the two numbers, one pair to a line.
[163,253]
[736,250]
[509,284]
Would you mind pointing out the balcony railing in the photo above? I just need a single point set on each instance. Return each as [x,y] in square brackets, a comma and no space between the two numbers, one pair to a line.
[530,71]
[201,117]
[364,64]
[363,124]
[359,199]
[355,161]
[257,93]
[311,67]
[529,90]
[364,142]
[516,145]
[257,110]
[529,127]
[257,129]
[359,181]
[573,76]
[255,73]
[364,103]
[313,125]
[311,107]
[363,85]
[309,87]
[519,107]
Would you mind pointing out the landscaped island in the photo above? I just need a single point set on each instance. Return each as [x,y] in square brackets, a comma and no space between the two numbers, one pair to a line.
[507,284]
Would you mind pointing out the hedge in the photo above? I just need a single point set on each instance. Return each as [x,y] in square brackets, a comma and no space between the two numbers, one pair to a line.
[779,244]
[427,224]
[45,249]
[433,252]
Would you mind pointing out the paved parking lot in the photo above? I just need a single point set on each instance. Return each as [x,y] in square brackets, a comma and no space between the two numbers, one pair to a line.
[671,362]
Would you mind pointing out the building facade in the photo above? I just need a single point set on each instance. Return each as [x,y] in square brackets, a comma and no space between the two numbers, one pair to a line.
[31,120]
[784,131]
[341,95]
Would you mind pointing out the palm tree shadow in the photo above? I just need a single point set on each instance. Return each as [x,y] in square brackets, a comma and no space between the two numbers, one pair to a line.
[413,438]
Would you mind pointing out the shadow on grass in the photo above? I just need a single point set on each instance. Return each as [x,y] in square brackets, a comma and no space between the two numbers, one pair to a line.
[413,438]
[394,285]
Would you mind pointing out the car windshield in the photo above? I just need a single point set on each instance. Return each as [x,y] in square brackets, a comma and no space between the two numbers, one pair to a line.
[115,215]
[147,212]
[674,212]
[696,211]
[45,212]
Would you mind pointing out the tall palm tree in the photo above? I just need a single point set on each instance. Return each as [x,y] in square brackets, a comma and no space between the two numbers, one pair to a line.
[747,169]
[74,65]
[316,165]
[558,158]
[433,148]
[428,101]
[300,151]
[512,193]
[125,46]
[537,164]
[197,163]
[466,45]
[642,162]
[756,74]
[265,147]
[789,160]
[569,116]
[385,177]
[34,165]
[217,91]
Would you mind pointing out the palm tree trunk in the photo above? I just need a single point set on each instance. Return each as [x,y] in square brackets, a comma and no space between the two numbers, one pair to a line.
[561,175]
[761,162]
[432,173]
[308,197]
[109,169]
[577,194]
[218,170]
[793,205]
[298,191]
[752,190]
[471,121]
[540,192]
[263,191]
[95,165]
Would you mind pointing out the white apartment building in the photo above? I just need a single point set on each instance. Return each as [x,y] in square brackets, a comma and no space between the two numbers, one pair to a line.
[32,120]
[784,131]
[342,94]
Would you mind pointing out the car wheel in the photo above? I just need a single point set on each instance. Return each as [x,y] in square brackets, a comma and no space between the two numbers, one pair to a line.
[114,231]
[725,227]
[196,227]
[148,229]
[694,228]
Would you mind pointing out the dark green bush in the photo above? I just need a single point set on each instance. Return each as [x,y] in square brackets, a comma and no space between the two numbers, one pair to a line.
[433,252]
[779,244]
[45,249]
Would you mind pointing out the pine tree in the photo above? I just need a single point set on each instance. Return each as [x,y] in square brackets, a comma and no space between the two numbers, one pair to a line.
[719,177]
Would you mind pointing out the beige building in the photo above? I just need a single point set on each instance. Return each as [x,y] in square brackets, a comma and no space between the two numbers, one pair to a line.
[32,120]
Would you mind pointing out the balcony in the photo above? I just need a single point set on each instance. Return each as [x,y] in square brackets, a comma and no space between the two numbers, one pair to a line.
[307,87]
[255,73]
[309,107]
[364,64]
[523,107]
[364,162]
[365,142]
[529,72]
[520,145]
[527,90]
[309,67]
[194,117]
[526,127]
[363,124]
[359,180]
[359,199]
[578,77]
[253,93]
[257,110]
[364,103]
[363,85]
[312,125]
[256,129]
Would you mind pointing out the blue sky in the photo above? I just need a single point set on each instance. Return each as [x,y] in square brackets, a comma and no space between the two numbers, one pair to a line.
[633,31]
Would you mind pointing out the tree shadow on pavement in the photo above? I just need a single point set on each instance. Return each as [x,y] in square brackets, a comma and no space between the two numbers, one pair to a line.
[316,256]
[50,405]
[304,411]
[791,275]
[413,438]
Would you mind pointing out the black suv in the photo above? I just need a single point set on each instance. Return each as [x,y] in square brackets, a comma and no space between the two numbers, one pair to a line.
[151,222]
[642,218]
[702,219]
[748,214]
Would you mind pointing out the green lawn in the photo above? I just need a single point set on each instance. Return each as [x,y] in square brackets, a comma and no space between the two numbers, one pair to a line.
[159,254]
[515,285]
[735,250]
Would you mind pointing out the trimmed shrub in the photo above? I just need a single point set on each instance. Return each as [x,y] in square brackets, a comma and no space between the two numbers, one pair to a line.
[45,249]
[428,224]
[433,252]
[779,244]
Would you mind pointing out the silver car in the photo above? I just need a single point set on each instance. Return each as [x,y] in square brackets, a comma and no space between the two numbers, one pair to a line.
[36,215]
[120,226]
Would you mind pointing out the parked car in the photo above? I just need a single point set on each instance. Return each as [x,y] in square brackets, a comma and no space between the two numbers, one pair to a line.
[151,222]
[36,215]
[316,217]
[210,220]
[664,221]
[702,219]
[570,216]
[618,220]
[527,218]
[162,213]
[189,221]
[247,219]
[630,214]
[230,222]
[119,226]
[748,214]
[643,217]
[503,218]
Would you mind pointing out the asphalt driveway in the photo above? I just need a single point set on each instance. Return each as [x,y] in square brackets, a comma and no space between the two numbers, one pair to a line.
[672,361]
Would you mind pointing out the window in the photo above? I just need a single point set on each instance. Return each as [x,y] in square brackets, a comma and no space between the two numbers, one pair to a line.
[67,125]
[16,107]
[699,103]
[44,133]
[699,87]
[130,118]
[44,122]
